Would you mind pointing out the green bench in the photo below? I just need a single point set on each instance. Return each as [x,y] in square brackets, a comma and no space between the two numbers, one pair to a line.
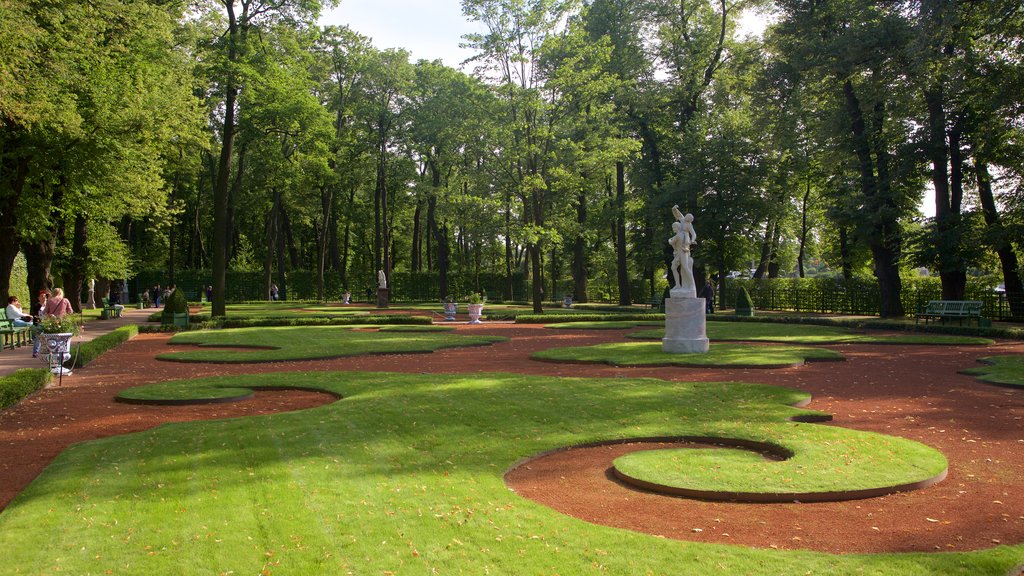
[959,310]
[13,336]
[109,311]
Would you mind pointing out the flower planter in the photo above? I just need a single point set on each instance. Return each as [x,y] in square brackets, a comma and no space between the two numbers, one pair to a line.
[475,311]
[57,350]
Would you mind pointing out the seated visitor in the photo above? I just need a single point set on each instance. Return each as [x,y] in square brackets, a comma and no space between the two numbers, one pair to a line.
[16,315]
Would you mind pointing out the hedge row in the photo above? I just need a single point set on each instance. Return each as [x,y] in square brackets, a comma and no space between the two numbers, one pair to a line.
[86,352]
[302,285]
[22,383]
[858,295]
[558,318]
[874,323]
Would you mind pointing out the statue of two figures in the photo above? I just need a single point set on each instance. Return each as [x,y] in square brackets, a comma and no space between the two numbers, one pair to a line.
[682,261]
[685,320]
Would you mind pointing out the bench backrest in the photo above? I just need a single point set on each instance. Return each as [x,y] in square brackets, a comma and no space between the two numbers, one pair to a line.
[954,307]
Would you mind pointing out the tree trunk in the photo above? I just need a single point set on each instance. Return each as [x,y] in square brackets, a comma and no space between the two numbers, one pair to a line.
[952,269]
[38,259]
[886,237]
[10,237]
[766,250]
[803,229]
[621,252]
[74,279]
[845,256]
[415,264]
[579,249]
[1000,241]
[282,231]
[326,203]
[270,235]
[509,265]
[221,234]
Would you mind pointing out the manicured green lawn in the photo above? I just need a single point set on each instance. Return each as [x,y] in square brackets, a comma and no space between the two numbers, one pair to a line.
[810,334]
[1006,370]
[310,342]
[726,355]
[403,475]
[744,471]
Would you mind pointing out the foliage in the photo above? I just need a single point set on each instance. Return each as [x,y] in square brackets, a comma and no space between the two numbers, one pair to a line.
[176,303]
[743,301]
[14,387]
[557,317]
[68,323]
[85,352]
[856,295]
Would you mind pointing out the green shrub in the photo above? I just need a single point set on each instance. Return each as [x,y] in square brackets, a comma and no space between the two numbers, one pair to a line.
[558,318]
[176,304]
[744,305]
[253,321]
[86,352]
[22,383]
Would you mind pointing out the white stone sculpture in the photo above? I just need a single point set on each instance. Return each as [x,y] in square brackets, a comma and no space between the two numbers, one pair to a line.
[382,280]
[685,315]
[682,262]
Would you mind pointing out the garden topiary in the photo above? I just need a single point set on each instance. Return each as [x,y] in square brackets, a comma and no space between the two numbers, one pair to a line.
[175,309]
[744,305]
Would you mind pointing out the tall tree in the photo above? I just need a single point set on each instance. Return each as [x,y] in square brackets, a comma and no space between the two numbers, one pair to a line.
[243,20]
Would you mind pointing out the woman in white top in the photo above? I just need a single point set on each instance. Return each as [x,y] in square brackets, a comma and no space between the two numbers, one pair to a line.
[14,313]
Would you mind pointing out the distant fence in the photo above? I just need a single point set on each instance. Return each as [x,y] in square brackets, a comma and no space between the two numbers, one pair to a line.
[859,296]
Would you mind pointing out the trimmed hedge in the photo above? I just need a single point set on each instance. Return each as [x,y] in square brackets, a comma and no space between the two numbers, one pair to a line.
[22,383]
[86,352]
[874,323]
[310,321]
[558,318]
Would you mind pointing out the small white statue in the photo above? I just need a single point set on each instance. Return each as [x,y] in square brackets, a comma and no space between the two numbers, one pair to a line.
[382,280]
[682,262]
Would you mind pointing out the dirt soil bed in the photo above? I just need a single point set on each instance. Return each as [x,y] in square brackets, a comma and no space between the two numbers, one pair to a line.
[909,391]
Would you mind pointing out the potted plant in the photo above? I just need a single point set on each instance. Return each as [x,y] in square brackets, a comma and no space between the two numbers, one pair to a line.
[744,304]
[56,334]
[475,307]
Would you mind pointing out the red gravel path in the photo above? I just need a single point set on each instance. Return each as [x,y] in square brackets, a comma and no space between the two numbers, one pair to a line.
[909,391]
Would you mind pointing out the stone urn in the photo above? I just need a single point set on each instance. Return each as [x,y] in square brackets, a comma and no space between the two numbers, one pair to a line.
[475,311]
[57,350]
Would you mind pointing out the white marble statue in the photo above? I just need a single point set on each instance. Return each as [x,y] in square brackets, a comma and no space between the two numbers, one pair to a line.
[382,280]
[682,262]
[685,314]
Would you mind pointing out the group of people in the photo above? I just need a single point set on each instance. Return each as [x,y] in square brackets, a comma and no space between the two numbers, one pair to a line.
[53,305]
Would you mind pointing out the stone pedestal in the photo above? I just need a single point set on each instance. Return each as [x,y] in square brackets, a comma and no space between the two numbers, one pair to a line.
[382,297]
[685,326]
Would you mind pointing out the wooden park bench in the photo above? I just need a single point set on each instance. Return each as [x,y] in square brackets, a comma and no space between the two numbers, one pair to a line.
[13,336]
[959,310]
[657,304]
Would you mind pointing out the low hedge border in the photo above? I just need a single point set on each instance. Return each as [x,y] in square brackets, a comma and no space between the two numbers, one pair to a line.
[270,321]
[86,352]
[558,318]
[21,383]
[878,324]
